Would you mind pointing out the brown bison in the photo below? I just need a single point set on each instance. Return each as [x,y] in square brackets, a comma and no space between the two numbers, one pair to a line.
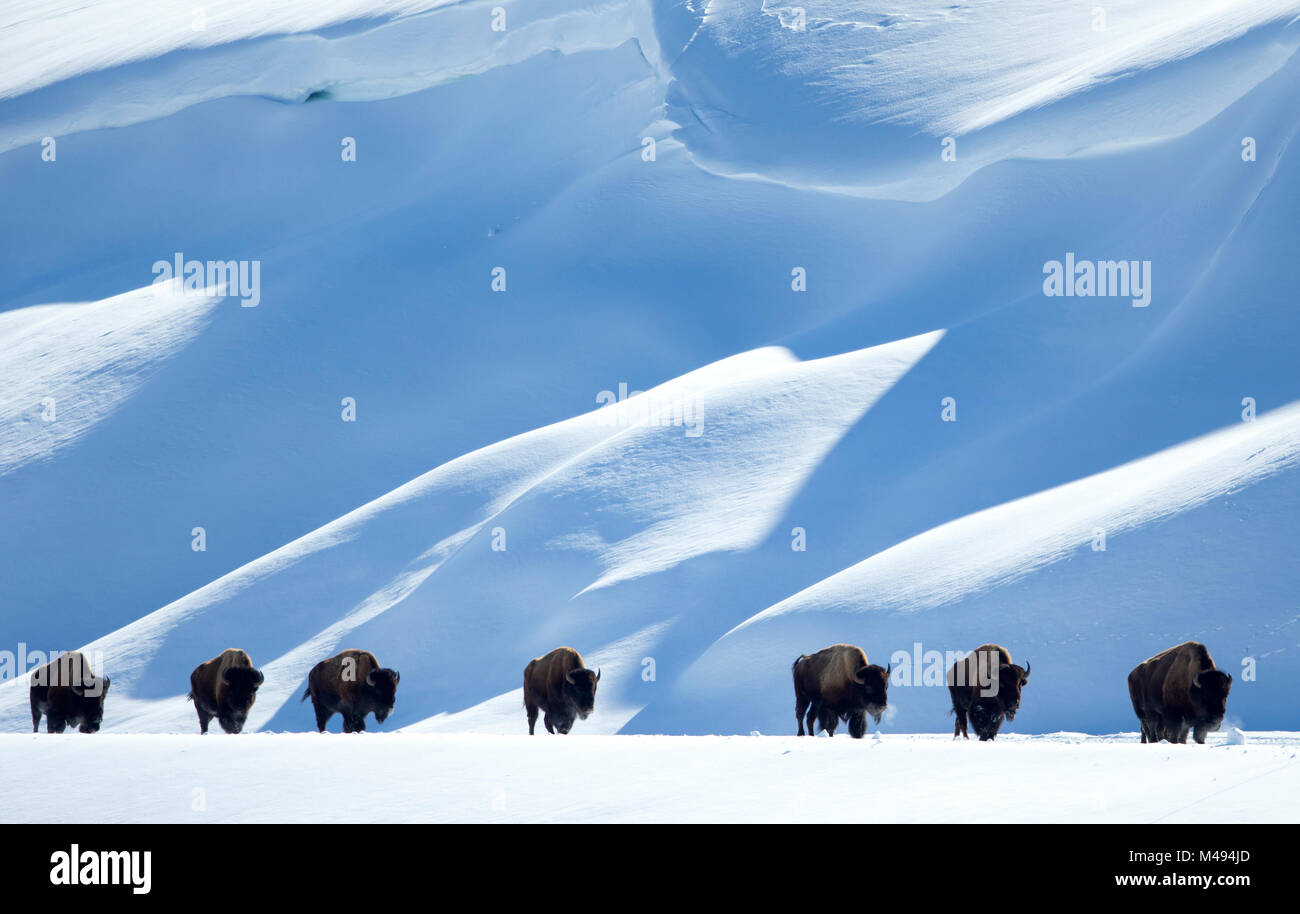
[985,687]
[561,687]
[67,691]
[838,683]
[1178,690]
[225,688]
[351,683]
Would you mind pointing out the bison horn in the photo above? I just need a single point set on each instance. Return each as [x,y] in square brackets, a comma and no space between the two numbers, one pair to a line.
[568,677]
[889,669]
[260,678]
[397,677]
[370,678]
[860,676]
[598,674]
[1027,668]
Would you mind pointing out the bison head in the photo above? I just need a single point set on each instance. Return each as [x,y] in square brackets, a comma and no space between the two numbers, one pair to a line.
[580,687]
[90,697]
[240,693]
[1209,695]
[1011,679]
[381,688]
[986,714]
[870,689]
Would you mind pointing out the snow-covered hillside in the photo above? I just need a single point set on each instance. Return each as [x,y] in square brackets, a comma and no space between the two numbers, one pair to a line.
[811,240]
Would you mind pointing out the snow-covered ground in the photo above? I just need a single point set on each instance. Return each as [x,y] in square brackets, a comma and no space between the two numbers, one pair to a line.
[927,779]
[654,179]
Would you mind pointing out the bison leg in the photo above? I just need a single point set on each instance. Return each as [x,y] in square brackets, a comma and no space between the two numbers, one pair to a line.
[546,720]
[323,714]
[532,717]
[204,718]
[800,706]
[858,724]
[1176,730]
[54,724]
[809,718]
[959,711]
[353,724]
[1135,695]
[830,720]
[1199,733]
[36,718]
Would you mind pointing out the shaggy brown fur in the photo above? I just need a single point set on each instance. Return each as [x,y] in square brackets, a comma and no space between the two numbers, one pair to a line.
[1178,690]
[838,683]
[67,691]
[225,687]
[987,669]
[351,683]
[561,687]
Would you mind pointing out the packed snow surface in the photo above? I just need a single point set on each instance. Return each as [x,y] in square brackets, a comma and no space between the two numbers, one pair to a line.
[1062,777]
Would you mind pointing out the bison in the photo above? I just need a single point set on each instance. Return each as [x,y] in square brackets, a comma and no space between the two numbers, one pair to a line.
[1177,690]
[561,687]
[838,683]
[225,687]
[67,691]
[985,687]
[351,683]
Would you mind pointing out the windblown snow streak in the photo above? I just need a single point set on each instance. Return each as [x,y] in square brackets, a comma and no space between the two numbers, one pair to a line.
[873,89]
[952,68]
[1002,544]
[64,368]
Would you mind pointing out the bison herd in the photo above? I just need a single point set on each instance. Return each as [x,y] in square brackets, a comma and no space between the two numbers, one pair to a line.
[838,684]
[1176,692]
